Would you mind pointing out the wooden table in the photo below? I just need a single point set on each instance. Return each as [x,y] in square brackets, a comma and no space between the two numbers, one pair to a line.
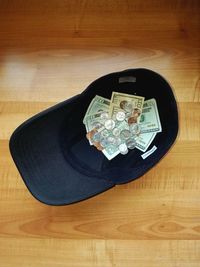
[51,50]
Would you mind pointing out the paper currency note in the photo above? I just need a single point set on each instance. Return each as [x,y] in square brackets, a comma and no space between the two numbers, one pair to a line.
[144,140]
[149,120]
[121,99]
[113,110]
[111,151]
[94,121]
[98,104]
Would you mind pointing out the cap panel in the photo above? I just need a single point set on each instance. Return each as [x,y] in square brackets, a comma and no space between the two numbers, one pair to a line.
[35,148]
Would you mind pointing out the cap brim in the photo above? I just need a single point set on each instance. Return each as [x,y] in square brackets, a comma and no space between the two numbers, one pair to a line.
[36,151]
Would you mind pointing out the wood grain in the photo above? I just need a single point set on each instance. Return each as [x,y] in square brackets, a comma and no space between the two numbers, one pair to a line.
[51,50]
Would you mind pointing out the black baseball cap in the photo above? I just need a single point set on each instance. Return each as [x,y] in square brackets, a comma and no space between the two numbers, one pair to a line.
[54,158]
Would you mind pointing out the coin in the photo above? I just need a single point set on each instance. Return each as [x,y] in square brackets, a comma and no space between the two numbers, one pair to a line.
[109,124]
[135,128]
[105,133]
[104,115]
[132,120]
[136,112]
[125,152]
[125,134]
[110,149]
[128,107]
[128,114]
[131,143]
[122,104]
[123,149]
[120,116]
[104,142]
[97,125]
[111,139]
[99,147]
[118,141]
[90,134]
[96,137]
[116,131]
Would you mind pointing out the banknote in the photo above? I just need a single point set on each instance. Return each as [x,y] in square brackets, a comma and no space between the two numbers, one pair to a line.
[111,151]
[94,121]
[113,110]
[126,102]
[149,120]
[144,140]
[98,104]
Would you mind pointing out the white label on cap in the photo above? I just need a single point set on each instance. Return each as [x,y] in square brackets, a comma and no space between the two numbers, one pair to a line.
[148,153]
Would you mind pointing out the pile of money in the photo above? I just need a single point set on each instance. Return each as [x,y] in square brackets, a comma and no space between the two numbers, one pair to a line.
[121,124]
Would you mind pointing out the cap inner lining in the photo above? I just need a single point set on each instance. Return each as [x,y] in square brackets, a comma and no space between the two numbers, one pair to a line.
[91,161]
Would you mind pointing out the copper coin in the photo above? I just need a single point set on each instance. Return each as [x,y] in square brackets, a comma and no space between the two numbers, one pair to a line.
[122,104]
[132,120]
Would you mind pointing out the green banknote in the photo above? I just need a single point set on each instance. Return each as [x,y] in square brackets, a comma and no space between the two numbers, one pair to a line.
[113,110]
[119,99]
[111,151]
[97,105]
[144,140]
[94,121]
[149,120]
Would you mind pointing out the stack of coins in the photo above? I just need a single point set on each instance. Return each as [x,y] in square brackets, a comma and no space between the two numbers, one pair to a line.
[115,132]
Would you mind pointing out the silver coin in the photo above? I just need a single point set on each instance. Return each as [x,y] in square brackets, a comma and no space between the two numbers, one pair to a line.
[125,134]
[118,141]
[104,115]
[123,149]
[128,107]
[104,142]
[97,125]
[116,131]
[105,133]
[96,137]
[135,128]
[128,114]
[111,149]
[131,143]
[125,152]
[109,124]
[120,115]
[111,139]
